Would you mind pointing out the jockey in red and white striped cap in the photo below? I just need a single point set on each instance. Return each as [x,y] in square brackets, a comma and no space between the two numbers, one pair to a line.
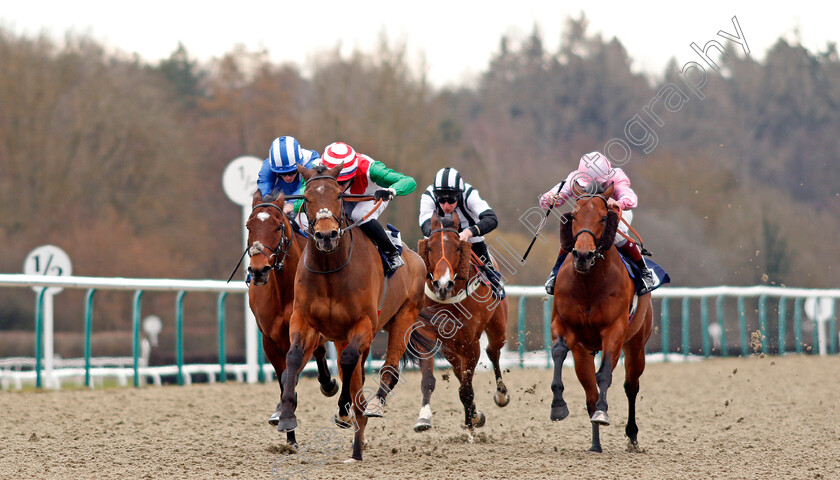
[363,175]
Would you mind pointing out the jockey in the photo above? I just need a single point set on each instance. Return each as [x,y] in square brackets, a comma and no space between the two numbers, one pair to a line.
[366,176]
[595,166]
[279,171]
[449,193]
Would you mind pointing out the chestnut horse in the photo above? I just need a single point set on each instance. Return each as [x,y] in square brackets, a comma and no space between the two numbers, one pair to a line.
[341,293]
[275,252]
[592,305]
[457,310]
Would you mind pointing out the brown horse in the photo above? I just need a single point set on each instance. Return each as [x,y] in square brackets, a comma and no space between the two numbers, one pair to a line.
[457,310]
[275,252]
[341,292]
[592,305]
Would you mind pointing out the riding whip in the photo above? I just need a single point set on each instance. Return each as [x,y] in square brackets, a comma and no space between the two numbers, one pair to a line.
[542,223]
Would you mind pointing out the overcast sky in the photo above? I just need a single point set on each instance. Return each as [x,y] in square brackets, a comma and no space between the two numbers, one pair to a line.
[457,38]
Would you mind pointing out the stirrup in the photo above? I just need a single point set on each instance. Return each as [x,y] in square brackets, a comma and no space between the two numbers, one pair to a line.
[549,284]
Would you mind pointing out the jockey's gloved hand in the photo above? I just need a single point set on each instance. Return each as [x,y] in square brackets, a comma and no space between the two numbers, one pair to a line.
[384,194]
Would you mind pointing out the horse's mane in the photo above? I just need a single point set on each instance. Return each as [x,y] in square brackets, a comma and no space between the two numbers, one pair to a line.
[319,169]
[272,197]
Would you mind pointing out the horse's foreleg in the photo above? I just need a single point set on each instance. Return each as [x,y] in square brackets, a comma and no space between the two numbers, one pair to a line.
[276,354]
[585,370]
[356,383]
[329,387]
[301,336]
[427,386]
[559,409]
[473,418]
[348,358]
[611,341]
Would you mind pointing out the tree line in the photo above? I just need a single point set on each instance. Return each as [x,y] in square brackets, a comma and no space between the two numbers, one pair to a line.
[119,161]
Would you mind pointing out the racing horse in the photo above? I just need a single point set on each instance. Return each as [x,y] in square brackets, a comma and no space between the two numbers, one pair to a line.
[458,308]
[593,297]
[274,252]
[341,293]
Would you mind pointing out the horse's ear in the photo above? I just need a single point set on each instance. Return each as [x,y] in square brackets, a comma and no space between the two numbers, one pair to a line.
[423,251]
[435,221]
[577,190]
[464,260]
[257,199]
[456,222]
[281,199]
[333,172]
[305,172]
[608,192]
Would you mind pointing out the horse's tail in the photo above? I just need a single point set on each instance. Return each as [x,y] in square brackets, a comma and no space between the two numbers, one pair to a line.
[421,346]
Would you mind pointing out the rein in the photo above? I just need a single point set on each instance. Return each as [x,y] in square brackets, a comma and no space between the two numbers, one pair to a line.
[644,251]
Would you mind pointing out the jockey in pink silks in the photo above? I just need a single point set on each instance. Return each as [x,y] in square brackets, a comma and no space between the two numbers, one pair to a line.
[595,166]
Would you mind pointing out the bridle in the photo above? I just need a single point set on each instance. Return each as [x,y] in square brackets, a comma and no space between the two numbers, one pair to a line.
[599,248]
[342,220]
[277,259]
[452,269]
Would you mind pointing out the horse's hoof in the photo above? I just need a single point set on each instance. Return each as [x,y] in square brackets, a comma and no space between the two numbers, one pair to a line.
[595,448]
[423,424]
[601,418]
[633,446]
[352,460]
[375,407]
[330,389]
[501,399]
[343,421]
[559,413]
[286,424]
[274,419]
[479,419]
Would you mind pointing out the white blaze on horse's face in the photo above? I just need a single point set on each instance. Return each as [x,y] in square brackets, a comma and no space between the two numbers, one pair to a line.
[446,277]
[263,216]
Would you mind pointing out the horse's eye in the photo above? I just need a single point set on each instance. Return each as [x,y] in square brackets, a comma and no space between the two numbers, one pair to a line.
[604,219]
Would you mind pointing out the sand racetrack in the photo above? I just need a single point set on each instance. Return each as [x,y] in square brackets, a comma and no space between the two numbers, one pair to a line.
[749,418]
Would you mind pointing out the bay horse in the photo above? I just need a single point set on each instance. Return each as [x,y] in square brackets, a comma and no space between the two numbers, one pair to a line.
[275,251]
[341,293]
[592,303]
[458,308]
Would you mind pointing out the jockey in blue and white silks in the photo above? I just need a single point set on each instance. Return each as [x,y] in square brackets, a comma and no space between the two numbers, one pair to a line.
[279,171]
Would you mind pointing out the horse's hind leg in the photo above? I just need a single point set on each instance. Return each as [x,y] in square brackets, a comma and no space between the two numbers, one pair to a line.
[427,386]
[329,387]
[389,374]
[496,336]
[634,366]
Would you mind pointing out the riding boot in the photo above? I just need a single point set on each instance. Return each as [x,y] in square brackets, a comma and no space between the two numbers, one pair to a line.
[631,251]
[493,276]
[376,232]
[552,278]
